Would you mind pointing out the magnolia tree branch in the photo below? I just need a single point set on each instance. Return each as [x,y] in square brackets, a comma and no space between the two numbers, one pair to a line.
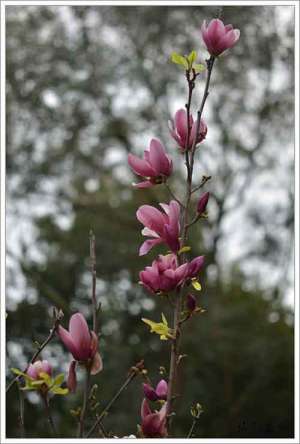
[185,224]
[57,315]
[134,371]
[48,415]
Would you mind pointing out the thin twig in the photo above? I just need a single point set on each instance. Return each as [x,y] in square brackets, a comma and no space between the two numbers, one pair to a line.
[94,277]
[58,314]
[105,411]
[21,412]
[84,403]
[203,182]
[173,195]
[48,414]
[189,435]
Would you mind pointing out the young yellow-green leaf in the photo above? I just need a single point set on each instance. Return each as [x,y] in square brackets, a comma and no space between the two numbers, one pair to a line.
[59,391]
[179,60]
[37,383]
[196,284]
[18,372]
[46,378]
[198,67]
[192,57]
[160,328]
[59,379]
[184,249]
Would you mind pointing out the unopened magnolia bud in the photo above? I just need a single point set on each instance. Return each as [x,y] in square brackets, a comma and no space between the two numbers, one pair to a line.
[191,302]
[201,207]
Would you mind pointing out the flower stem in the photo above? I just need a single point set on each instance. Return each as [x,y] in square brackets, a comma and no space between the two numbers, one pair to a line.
[185,225]
[48,414]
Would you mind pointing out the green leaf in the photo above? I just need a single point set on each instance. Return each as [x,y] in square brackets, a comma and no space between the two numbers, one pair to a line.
[59,391]
[179,60]
[198,67]
[37,383]
[46,378]
[192,57]
[18,372]
[196,284]
[160,328]
[184,249]
[59,379]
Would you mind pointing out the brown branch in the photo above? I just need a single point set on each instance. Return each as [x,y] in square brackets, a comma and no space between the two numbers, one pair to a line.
[132,374]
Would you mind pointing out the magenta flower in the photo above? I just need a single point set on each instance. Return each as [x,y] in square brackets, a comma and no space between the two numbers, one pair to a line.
[218,37]
[179,130]
[164,275]
[162,227]
[195,266]
[160,393]
[156,166]
[83,344]
[38,367]
[154,425]
[202,203]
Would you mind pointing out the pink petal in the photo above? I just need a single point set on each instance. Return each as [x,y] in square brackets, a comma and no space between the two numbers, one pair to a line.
[195,266]
[140,167]
[32,372]
[97,364]
[80,334]
[46,367]
[145,409]
[94,343]
[174,215]
[67,340]
[145,184]
[162,389]
[181,123]
[181,273]
[216,30]
[228,28]
[72,380]
[148,245]
[158,158]
[151,218]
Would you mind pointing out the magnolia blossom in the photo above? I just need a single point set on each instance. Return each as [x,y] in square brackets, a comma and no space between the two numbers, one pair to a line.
[218,37]
[159,393]
[38,367]
[195,266]
[161,226]
[179,130]
[83,344]
[164,275]
[154,425]
[155,167]
[191,302]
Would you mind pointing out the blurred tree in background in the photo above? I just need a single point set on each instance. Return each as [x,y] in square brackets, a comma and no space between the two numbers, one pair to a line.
[86,85]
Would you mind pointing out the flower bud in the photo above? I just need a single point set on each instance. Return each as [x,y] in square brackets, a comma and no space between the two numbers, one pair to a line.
[201,207]
[191,302]
[150,393]
[38,367]
[218,37]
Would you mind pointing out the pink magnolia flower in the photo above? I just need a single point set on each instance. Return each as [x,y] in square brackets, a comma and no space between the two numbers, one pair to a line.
[156,166]
[162,227]
[159,393]
[218,37]
[202,203]
[154,425]
[195,266]
[38,367]
[83,344]
[164,275]
[179,130]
